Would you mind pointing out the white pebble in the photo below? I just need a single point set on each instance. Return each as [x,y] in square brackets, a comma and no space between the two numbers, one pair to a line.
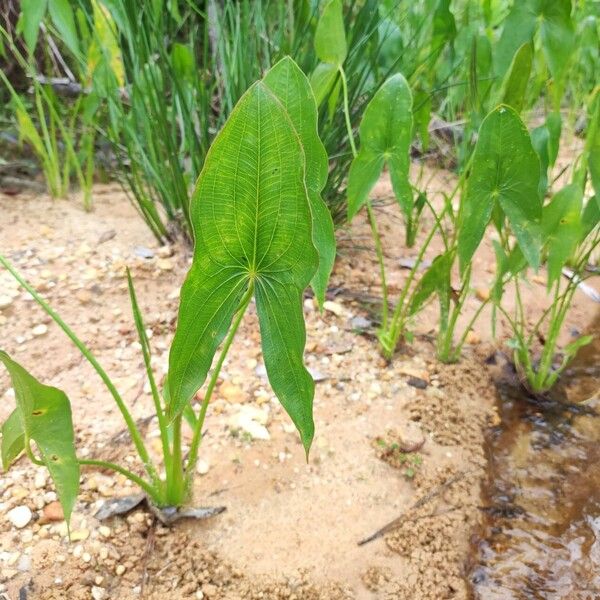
[20,516]
[39,330]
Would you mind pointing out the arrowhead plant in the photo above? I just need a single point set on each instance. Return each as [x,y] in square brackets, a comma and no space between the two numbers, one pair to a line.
[262,234]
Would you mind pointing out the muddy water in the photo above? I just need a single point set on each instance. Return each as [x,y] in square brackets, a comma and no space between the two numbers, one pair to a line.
[541,532]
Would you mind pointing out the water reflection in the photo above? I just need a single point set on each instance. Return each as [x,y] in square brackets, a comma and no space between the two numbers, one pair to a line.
[541,531]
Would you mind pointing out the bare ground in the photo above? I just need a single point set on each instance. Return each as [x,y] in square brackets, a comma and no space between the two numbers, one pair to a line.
[291,529]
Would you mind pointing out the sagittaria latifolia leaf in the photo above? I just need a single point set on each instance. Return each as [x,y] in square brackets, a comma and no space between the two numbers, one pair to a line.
[385,137]
[43,415]
[252,224]
[504,178]
[292,88]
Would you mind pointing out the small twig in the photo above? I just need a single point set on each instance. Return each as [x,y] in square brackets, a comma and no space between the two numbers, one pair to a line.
[440,489]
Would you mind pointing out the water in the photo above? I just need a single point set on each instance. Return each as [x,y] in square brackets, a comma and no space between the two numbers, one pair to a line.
[541,532]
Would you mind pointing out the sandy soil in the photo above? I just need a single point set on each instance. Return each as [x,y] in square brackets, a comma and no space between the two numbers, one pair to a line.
[291,529]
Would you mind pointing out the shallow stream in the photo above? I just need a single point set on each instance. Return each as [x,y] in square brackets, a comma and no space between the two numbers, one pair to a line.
[541,532]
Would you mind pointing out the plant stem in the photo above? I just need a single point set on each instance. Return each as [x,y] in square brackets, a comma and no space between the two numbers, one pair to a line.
[347,111]
[151,491]
[380,260]
[129,421]
[197,436]
[175,477]
[370,213]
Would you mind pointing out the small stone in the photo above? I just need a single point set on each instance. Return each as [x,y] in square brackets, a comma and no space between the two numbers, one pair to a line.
[120,570]
[104,531]
[20,516]
[84,296]
[165,251]
[40,480]
[415,373]
[40,330]
[98,593]
[317,375]
[164,264]
[333,307]
[482,294]
[251,421]
[360,323]
[143,252]
[79,535]
[86,557]
[472,338]
[417,382]
[202,467]
[232,393]
[52,512]
[5,302]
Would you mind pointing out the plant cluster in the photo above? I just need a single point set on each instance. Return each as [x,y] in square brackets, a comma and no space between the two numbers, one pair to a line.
[274,164]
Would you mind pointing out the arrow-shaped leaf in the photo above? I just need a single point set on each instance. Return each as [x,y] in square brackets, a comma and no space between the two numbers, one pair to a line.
[252,224]
[32,14]
[514,86]
[505,174]
[43,415]
[435,280]
[330,36]
[287,81]
[385,136]
[561,228]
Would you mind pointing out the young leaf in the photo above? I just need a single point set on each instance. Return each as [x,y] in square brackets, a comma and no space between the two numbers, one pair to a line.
[385,136]
[435,280]
[252,224]
[289,84]
[505,174]
[62,16]
[514,87]
[590,217]
[561,228]
[44,415]
[32,14]
[330,36]
[322,81]
[540,139]
[556,33]
[592,142]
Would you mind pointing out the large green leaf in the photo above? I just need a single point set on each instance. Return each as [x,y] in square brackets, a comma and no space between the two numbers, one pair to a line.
[514,87]
[558,39]
[330,36]
[63,18]
[44,416]
[553,20]
[385,137]
[32,14]
[505,175]
[519,28]
[252,224]
[561,228]
[287,81]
